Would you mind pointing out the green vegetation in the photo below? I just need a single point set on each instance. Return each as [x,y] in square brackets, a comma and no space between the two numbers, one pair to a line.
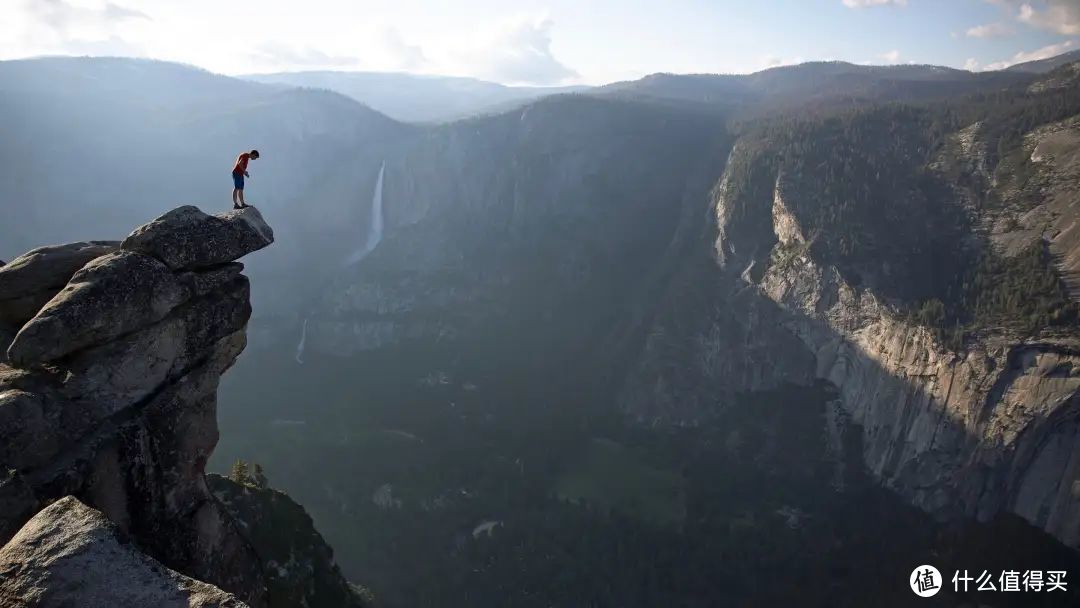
[1021,293]
[880,190]
[735,477]
[610,477]
[1023,290]
[248,475]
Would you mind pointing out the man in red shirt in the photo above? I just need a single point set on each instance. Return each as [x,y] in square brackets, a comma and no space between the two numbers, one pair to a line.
[239,172]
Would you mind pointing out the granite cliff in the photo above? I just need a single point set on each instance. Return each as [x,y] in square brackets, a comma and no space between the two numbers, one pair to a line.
[971,420]
[114,351]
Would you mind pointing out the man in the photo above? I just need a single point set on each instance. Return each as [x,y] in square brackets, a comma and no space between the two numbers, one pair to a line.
[239,172]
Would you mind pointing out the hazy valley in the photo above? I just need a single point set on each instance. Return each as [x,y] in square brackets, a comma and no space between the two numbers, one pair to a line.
[763,338]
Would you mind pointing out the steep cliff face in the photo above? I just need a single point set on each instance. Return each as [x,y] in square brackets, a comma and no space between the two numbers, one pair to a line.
[484,217]
[970,431]
[109,394]
[988,429]
[836,241]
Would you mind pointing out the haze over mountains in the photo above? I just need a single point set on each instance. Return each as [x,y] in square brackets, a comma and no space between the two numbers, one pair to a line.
[412,98]
[417,98]
[681,341]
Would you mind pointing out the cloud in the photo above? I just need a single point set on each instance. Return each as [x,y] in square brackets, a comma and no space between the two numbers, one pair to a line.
[63,16]
[870,3]
[516,51]
[117,12]
[989,30]
[1022,57]
[1058,16]
[67,27]
[892,56]
[405,56]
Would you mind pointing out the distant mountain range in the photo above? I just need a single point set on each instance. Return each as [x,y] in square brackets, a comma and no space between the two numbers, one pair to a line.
[415,98]
[428,99]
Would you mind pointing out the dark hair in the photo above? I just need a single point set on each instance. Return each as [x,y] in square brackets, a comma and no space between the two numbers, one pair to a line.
[255,153]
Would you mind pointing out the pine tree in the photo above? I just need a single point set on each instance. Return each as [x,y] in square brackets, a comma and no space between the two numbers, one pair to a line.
[240,473]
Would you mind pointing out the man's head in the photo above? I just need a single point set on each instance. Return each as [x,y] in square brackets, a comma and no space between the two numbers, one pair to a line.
[254,154]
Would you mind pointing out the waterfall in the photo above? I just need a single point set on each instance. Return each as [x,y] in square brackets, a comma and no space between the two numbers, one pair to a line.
[300,346]
[375,226]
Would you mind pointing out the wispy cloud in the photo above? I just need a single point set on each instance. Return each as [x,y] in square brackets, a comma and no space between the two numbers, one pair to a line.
[870,3]
[63,26]
[404,55]
[1058,16]
[516,51]
[989,30]
[1045,52]
[64,16]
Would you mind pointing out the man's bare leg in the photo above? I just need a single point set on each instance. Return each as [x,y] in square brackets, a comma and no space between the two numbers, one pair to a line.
[242,203]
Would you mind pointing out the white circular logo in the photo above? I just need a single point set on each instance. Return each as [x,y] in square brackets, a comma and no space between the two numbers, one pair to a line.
[925,581]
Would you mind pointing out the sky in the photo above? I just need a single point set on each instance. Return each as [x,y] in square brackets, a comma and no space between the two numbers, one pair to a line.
[542,42]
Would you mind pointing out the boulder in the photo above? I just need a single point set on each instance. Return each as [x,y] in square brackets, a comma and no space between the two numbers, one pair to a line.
[186,238]
[109,297]
[72,555]
[32,279]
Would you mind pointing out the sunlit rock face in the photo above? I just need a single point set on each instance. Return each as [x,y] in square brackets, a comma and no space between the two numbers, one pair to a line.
[972,431]
[72,555]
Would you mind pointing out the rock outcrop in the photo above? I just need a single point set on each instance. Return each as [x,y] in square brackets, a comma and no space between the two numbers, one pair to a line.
[72,555]
[32,279]
[110,393]
[187,239]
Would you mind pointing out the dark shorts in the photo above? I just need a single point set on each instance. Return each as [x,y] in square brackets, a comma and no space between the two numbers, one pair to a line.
[238,181]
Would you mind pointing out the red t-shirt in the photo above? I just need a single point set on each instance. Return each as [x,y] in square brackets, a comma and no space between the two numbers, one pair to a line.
[241,162]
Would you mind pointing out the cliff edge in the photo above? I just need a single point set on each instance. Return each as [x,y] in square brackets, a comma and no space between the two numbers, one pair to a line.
[108,410]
